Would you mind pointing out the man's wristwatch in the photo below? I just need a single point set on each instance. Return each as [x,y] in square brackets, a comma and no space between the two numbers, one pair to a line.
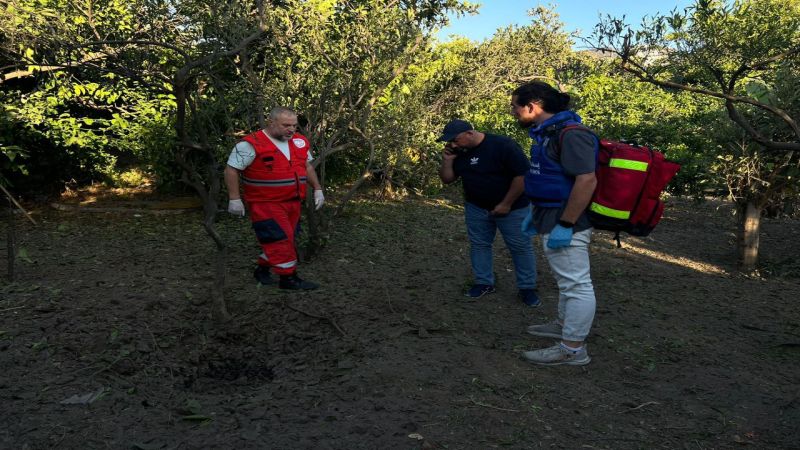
[566,224]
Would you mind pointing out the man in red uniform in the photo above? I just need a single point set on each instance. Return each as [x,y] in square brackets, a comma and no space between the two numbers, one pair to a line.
[274,165]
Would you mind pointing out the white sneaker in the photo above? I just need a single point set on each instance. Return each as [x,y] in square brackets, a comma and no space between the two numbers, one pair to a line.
[557,355]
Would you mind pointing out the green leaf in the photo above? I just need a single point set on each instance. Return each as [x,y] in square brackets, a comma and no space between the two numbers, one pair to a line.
[22,253]
[197,418]
[142,446]
[193,406]
[39,346]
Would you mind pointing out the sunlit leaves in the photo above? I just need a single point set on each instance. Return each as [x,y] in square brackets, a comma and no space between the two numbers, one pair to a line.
[746,54]
[676,123]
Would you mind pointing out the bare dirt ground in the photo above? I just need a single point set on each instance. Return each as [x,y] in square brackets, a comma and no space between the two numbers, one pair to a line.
[106,341]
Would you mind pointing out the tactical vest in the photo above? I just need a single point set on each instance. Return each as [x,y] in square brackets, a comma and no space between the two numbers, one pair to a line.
[546,184]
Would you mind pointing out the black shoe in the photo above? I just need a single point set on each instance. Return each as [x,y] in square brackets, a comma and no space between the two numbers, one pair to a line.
[262,275]
[294,283]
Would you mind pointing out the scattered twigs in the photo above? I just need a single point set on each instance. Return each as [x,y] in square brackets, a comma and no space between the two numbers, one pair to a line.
[156,348]
[11,309]
[81,369]
[388,298]
[11,197]
[639,407]
[486,405]
[108,366]
[327,319]
[754,328]
[12,232]
[525,394]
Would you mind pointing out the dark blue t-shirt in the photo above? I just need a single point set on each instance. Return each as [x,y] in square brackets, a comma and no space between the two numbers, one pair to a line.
[486,171]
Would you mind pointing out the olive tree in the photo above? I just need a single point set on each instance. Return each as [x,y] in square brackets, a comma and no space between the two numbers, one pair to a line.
[184,52]
[744,54]
[473,81]
[333,64]
[222,64]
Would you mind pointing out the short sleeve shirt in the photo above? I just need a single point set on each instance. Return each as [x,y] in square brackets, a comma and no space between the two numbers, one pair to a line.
[243,154]
[487,170]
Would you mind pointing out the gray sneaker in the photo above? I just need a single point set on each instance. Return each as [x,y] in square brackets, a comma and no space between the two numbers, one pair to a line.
[551,330]
[557,355]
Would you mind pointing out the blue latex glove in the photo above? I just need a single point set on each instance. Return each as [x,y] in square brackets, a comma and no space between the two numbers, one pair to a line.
[527,227]
[559,237]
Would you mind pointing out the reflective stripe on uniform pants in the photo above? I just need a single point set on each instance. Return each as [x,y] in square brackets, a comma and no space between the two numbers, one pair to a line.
[275,224]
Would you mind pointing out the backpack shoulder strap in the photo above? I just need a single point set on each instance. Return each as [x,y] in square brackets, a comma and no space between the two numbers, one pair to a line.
[563,130]
[570,127]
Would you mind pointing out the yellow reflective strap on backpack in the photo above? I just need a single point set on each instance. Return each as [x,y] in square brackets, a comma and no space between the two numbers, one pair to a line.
[609,212]
[628,164]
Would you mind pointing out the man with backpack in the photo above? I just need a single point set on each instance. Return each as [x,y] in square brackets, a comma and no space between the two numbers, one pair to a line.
[560,185]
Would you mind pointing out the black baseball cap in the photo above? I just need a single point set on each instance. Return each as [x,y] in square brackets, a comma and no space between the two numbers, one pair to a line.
[453,129]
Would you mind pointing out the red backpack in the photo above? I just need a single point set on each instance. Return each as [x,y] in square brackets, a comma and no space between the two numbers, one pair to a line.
[630,179]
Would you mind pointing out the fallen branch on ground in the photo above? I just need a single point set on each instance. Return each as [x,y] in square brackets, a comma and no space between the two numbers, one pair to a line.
[485,405]
[639,407]
[16,203]
[328,319]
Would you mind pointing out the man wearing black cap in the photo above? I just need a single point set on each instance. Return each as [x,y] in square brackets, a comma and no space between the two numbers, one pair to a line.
[492,169]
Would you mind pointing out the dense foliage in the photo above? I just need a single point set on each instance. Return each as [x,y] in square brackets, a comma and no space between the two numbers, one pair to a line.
[372,102]
[90,88]
[744,54]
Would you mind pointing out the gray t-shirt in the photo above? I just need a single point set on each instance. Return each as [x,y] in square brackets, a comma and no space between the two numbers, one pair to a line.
[577,156]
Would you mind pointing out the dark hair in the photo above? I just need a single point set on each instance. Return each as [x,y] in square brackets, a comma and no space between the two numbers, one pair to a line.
[552,100]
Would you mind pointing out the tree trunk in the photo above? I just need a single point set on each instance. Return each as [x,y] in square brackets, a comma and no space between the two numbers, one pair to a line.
[12,241]
[314,228]
[747,242]
[386,190]
[219,305]
[208,192]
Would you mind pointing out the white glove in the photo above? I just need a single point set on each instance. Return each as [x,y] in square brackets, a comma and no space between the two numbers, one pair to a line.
[319,199]
[236,207]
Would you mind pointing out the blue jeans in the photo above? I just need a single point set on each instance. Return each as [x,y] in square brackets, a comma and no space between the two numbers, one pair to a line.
[482,228]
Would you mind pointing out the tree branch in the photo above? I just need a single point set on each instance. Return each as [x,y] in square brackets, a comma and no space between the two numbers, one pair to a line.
[50,68]
[758,65]
[732,112]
